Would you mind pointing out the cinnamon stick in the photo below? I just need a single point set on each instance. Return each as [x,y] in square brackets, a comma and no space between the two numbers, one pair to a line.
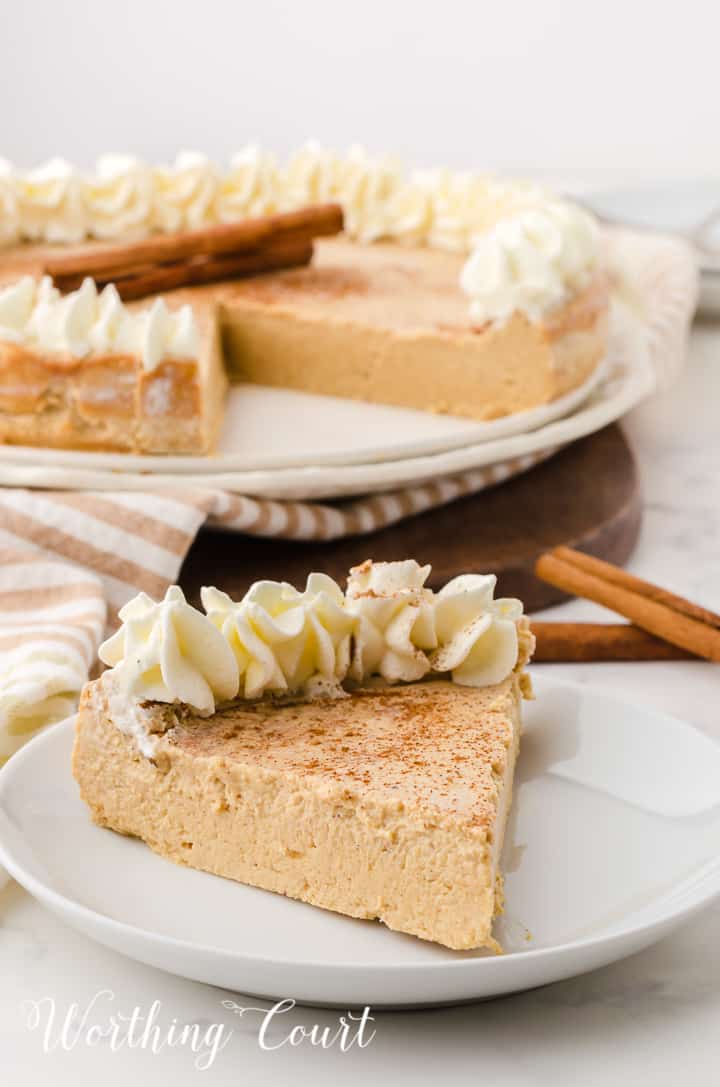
[113,260]
[167,277]
[617,576]
[656,611]
[583,642]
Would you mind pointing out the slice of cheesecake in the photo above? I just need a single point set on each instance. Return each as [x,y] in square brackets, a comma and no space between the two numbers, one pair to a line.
[389,803]
[84,371]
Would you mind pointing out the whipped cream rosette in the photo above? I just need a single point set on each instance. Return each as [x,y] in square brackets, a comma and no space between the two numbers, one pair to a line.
[171,652]
[530,262]
[365,187]
[251,187]
[311,176]
[461,203]
[363,184]
[119,197]
[16,306]
[465,204]
[51,203]
[159,333]
[185,193]
[395,623]
[285,640]
[477,636]
[410,213]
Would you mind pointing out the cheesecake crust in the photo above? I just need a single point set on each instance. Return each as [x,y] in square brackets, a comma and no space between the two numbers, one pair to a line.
[387,804]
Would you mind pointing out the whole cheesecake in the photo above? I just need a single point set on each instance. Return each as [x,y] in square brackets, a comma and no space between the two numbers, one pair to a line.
[493,307]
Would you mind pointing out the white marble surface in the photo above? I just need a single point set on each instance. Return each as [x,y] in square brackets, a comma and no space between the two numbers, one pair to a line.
[651,1019]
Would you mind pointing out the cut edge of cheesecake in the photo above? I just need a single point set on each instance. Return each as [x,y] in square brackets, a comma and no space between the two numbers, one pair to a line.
[112,403]
[387,324]
[390,803]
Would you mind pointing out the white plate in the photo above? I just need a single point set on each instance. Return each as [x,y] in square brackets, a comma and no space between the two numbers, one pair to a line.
[677,207]
[613,841]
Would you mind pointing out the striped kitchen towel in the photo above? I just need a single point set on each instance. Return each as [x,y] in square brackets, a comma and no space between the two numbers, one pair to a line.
[137,540]
[52,617]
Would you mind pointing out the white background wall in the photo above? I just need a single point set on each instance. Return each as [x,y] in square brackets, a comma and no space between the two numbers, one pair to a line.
[562,84]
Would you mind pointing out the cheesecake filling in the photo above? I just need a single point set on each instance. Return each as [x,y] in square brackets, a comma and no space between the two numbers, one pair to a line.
[387,627]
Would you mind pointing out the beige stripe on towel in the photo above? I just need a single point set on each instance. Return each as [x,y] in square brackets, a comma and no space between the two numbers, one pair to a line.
[49,634]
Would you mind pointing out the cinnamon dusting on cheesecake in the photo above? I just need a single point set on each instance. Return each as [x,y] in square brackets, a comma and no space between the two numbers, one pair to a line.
[389,736]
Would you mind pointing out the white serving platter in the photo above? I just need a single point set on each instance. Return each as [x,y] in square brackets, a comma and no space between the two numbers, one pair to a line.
[267,428]
[625,378]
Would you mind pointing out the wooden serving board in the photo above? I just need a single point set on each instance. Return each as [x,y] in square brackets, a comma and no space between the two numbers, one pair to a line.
[587,496]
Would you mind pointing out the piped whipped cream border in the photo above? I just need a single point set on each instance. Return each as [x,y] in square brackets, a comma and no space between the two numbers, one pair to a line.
[530,251]
[278,641]
[88,322]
